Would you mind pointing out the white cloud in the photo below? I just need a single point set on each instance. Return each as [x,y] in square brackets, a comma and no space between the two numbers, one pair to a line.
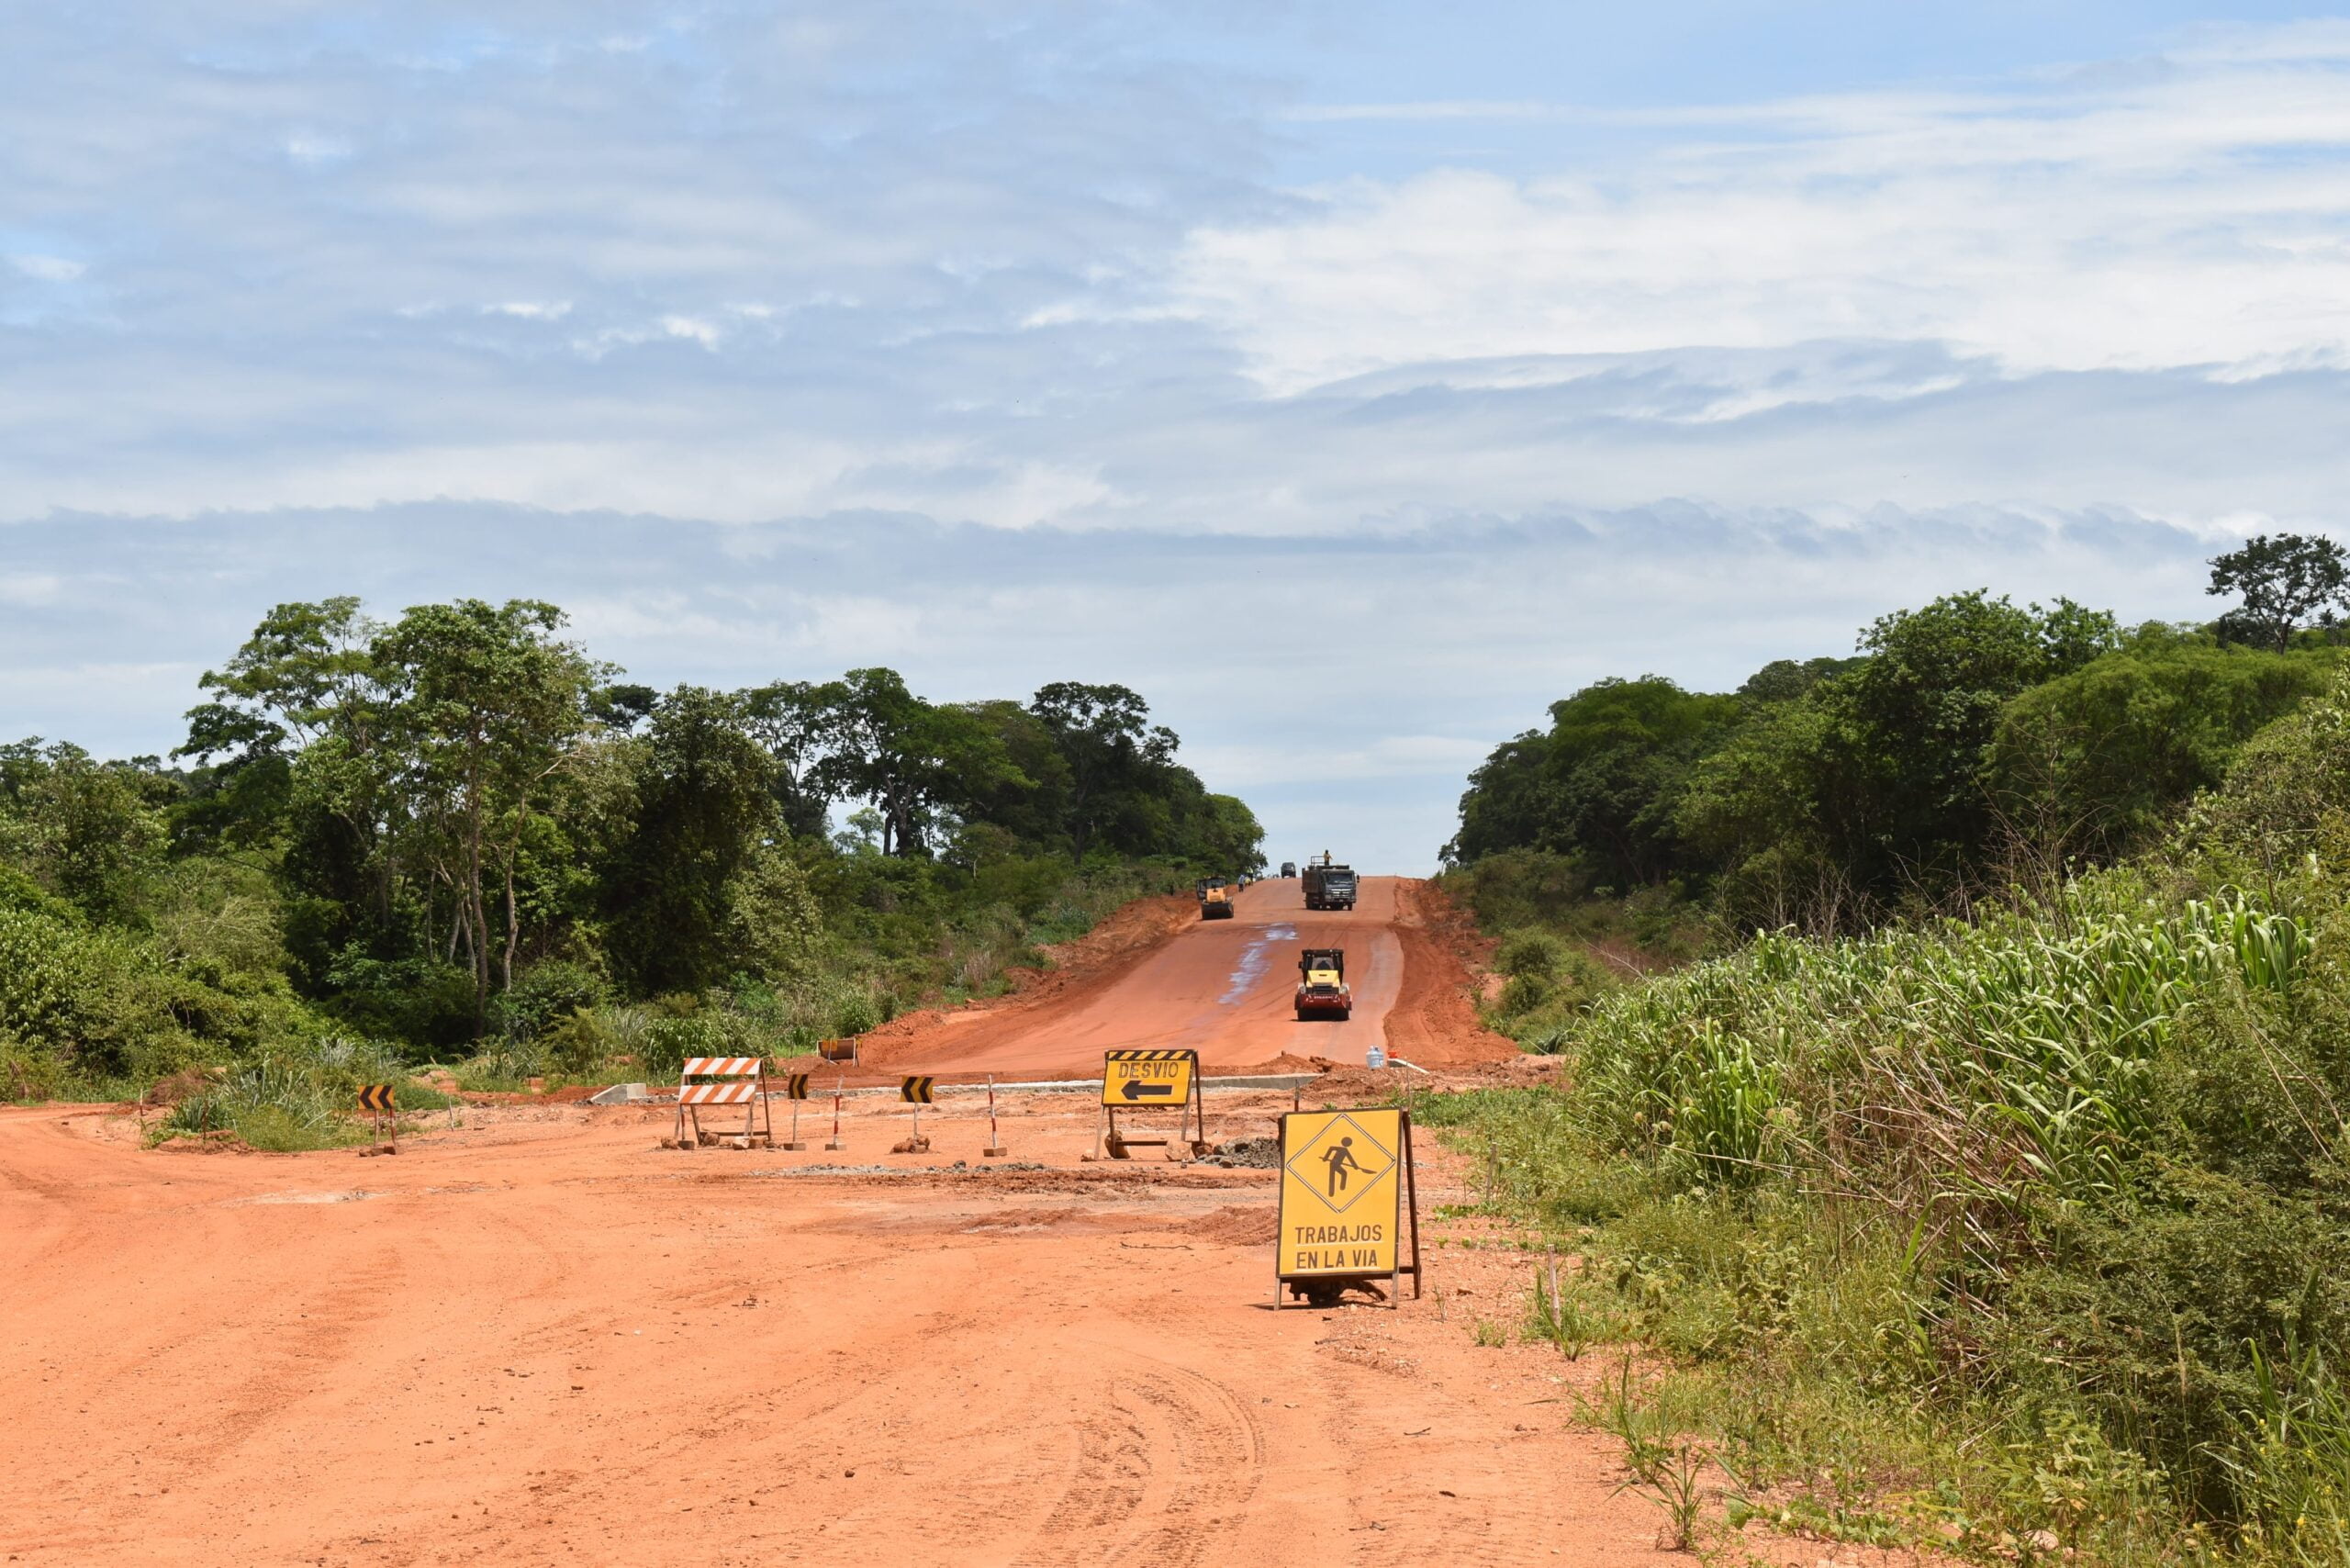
[1413,651]
[304,147]
[2195,216]
[28,588]
[48,269]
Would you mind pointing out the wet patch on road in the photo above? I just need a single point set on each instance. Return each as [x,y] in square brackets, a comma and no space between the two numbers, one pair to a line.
[1255,959]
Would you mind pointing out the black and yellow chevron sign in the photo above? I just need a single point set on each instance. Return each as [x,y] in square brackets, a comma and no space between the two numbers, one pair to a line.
[1144,1077]
[798,1087]
[916,1090]
[375,1097]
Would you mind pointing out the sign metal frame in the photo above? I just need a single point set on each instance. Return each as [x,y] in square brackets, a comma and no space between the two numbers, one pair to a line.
[1113,1141]
[1407,1205]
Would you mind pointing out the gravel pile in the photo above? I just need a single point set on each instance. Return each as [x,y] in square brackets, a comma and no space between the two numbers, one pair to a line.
[1247,1154]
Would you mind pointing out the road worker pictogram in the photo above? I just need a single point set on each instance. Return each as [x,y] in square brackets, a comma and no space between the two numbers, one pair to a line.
[1346,1199]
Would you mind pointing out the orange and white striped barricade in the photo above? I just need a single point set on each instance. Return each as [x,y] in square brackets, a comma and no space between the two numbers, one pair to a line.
[728,1080]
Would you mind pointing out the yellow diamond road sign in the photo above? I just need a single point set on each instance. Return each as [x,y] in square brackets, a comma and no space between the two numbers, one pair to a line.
[1340,1195]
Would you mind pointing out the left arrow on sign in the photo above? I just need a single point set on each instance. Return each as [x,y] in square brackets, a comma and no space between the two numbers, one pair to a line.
[1136,1089]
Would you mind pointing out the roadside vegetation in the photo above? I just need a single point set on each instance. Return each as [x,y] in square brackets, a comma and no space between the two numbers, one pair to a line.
[1963,1140]
[455,837]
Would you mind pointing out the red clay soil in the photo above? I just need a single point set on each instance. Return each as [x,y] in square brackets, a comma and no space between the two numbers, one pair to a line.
[1165,979]
[542,1340]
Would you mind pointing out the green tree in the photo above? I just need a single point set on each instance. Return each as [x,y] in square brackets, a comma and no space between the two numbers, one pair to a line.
[796,722]
[1226,834]
[908,758]
[486,704]
[1601,783]
[1915,720]
[1112,751]
[2097,762]
[705,813]
[91,833]
[2287,580]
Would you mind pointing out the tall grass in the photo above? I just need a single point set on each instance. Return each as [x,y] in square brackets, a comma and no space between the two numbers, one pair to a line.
[293,1099]
[2027,1222]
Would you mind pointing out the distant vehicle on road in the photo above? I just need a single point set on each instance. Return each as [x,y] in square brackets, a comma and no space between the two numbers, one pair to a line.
[1289,867]
[1329,885]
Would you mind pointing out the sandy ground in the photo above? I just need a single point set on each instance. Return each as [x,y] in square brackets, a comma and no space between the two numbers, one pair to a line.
[539,1338]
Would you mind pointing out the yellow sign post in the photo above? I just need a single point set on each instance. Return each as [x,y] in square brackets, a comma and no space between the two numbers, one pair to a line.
[1348,1193]
[1137,1081]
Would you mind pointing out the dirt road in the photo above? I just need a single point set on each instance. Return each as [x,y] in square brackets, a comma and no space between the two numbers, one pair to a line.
[546,1340]
[540,1338]
[1223,988]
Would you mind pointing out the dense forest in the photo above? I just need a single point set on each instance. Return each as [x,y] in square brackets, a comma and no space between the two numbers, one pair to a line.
[456,834]
[1989,1192]
[1966,745]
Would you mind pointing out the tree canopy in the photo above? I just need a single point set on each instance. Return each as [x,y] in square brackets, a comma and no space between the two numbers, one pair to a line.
[1965,741]
[456,823]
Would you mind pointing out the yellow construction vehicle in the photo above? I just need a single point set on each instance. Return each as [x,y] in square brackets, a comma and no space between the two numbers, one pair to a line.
[1215,899]
[1322,991]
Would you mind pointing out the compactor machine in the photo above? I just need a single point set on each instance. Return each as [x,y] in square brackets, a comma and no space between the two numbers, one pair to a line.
[1321,985]
[1215,899]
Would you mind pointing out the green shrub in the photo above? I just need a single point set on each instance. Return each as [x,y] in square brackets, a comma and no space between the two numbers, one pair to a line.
[279,1107]
[2063,1179]
[545,992]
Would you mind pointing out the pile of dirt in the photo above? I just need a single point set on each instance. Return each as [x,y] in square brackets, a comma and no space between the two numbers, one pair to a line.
[1236,1225]
[1246,1154]
[1435,1022]
[1362,1084]
[1144,922]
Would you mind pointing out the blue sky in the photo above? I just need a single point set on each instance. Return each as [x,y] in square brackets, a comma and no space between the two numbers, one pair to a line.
[1353,380]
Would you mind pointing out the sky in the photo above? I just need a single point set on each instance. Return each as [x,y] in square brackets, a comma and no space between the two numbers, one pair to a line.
[1351,380]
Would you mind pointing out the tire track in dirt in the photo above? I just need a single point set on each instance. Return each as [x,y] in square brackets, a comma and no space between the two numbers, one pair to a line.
[1159,1479]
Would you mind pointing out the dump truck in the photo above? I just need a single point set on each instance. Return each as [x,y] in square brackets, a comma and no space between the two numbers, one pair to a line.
[1215,899]
[1322,984]
[1328,885]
